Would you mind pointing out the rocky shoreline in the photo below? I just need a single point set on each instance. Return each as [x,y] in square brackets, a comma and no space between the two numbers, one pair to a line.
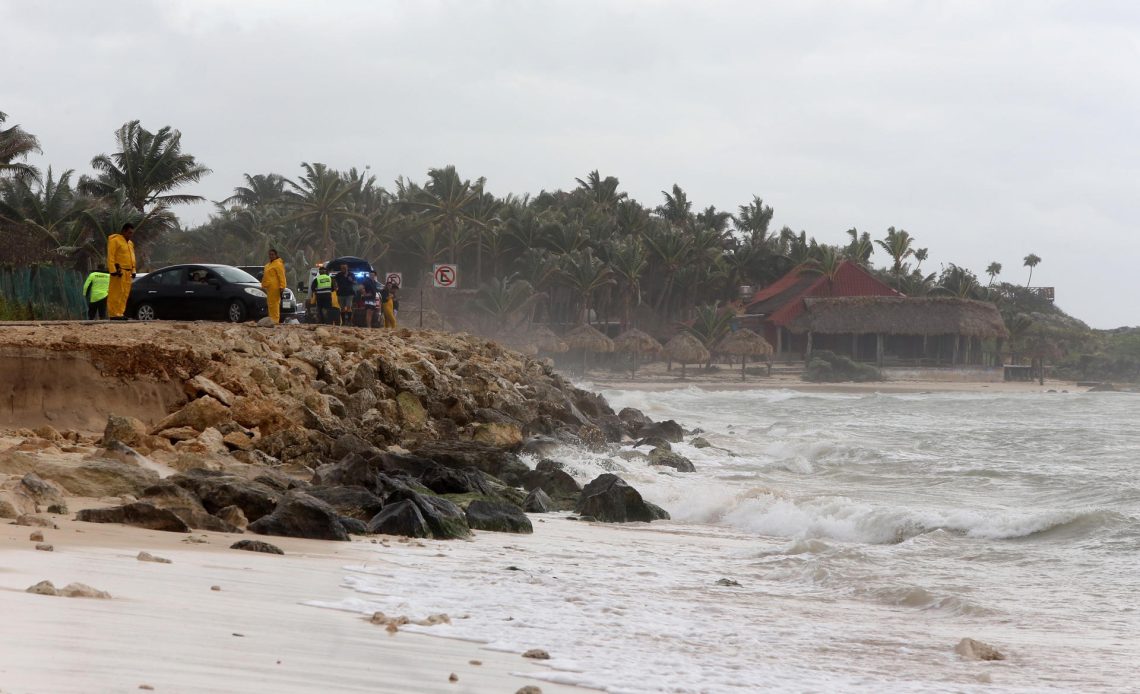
[313,432]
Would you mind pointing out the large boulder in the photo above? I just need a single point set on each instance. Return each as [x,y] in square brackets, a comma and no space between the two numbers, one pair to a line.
[497,516]
[676,461]
[16,502]
[445,480]
[218,490]
[99,478]
[185,505]
[127,430]
[498,434]
[537,501]
[669,430]
[201,414]
[351,502]
[139,514]
[608,498]
[400,518]
[377,474]
[44,493]
[634,420]
[492,460]
[549,476]
[301,515]
[445,520]
[540,446]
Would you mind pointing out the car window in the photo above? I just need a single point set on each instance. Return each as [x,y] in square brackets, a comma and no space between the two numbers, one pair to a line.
[198,275]
[232,274]
[167,277]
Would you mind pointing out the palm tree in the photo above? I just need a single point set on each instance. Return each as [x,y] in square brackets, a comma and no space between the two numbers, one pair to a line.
[710,324]
[629,261]
[148,167]
[603,192]
[958,281]
[505,301]
[16,143]
[677,209]
[897,244]
[448,202]
[671,248]
[585,274]
[826,260]
[753,219]
[259,190]
[48,208]
[321,199]
[993,270]
[860,248]
[1031,261]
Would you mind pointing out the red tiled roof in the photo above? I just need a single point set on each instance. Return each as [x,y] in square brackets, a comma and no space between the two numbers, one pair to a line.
[782,301]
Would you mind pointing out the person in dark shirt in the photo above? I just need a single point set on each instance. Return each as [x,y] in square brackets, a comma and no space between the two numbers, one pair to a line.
[345,288]
[370,288]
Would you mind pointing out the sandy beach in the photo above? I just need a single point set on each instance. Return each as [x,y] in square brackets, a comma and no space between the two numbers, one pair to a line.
[164,627]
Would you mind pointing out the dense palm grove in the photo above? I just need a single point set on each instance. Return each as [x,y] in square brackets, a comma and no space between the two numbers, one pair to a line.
[558,257]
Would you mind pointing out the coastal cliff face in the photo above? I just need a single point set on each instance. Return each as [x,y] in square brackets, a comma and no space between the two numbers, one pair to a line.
[310,431]
[288,392]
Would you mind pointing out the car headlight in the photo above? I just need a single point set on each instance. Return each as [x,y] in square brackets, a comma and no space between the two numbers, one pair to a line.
[253,291]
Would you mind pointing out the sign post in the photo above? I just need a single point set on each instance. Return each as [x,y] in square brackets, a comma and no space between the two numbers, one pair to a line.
[445,275]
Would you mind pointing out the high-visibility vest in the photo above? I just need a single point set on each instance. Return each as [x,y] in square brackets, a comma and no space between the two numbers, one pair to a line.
[98,283]
[324,284]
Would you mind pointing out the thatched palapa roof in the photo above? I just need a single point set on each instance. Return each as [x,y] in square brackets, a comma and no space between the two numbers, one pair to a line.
[897,315]
[546,341]
[686,349]
[634,340]
[744,343]
[588,338]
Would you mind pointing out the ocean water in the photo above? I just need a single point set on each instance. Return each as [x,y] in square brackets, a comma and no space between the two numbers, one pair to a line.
[865,534]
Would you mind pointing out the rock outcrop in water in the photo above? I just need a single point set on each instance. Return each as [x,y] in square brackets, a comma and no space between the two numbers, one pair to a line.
[319,432]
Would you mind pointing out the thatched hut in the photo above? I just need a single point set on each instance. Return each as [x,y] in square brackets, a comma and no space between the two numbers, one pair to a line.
[588,339]
[919,330]
[546,341]
[745,343]
[686,349]
[636,342]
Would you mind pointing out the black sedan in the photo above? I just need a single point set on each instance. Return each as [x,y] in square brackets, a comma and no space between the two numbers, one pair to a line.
[197,292]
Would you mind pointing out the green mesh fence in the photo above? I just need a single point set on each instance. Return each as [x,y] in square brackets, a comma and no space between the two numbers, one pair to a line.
[41,292]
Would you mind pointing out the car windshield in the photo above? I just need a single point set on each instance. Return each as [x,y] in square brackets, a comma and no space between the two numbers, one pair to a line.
[232,274]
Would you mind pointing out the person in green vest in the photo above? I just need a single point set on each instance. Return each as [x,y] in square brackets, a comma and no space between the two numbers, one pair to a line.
[95,290]
[323,295]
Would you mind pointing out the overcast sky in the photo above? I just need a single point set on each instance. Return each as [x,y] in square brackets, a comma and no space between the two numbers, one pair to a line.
[989,130]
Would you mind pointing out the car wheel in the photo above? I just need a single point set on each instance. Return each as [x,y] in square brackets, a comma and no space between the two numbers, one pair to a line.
[145,311]
[235,312]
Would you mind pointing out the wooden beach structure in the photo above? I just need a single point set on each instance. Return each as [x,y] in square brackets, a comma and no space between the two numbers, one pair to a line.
[772,310]
[903,331]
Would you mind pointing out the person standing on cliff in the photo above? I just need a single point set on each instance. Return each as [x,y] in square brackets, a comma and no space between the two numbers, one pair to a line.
[345,288]
[322,293]
[388,304]
[121,264]
[370,289]
[95,291]
[273,281]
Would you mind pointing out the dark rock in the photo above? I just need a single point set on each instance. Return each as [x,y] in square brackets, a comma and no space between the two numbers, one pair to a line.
[668,430]
[654,442]
[700,442]
[676,461]
[548,464]
[634,420]
[610,499]
[219,490]
[537,501]
[43,493]
[186,506]
[363,378]
[593,438]
[494,461]
[497,516]
[256,546]
[351,443]
[443,480]
[378,474]
[279,481]
[400,518]
[351,502]
[234,516]
[539,446]
[301,515]
[354,526]
[140,514]
[611,426]
[445,520]
[554,481]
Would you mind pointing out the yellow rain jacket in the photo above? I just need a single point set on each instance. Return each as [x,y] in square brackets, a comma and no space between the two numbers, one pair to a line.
[273,281]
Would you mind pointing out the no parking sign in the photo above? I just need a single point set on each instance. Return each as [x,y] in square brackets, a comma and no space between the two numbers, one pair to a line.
[445,275]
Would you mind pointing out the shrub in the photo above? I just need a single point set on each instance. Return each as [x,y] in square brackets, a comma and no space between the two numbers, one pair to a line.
[828,367]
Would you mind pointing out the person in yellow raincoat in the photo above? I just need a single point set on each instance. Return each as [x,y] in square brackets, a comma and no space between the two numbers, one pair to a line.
[121,266]
[388,304]
[273,281]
